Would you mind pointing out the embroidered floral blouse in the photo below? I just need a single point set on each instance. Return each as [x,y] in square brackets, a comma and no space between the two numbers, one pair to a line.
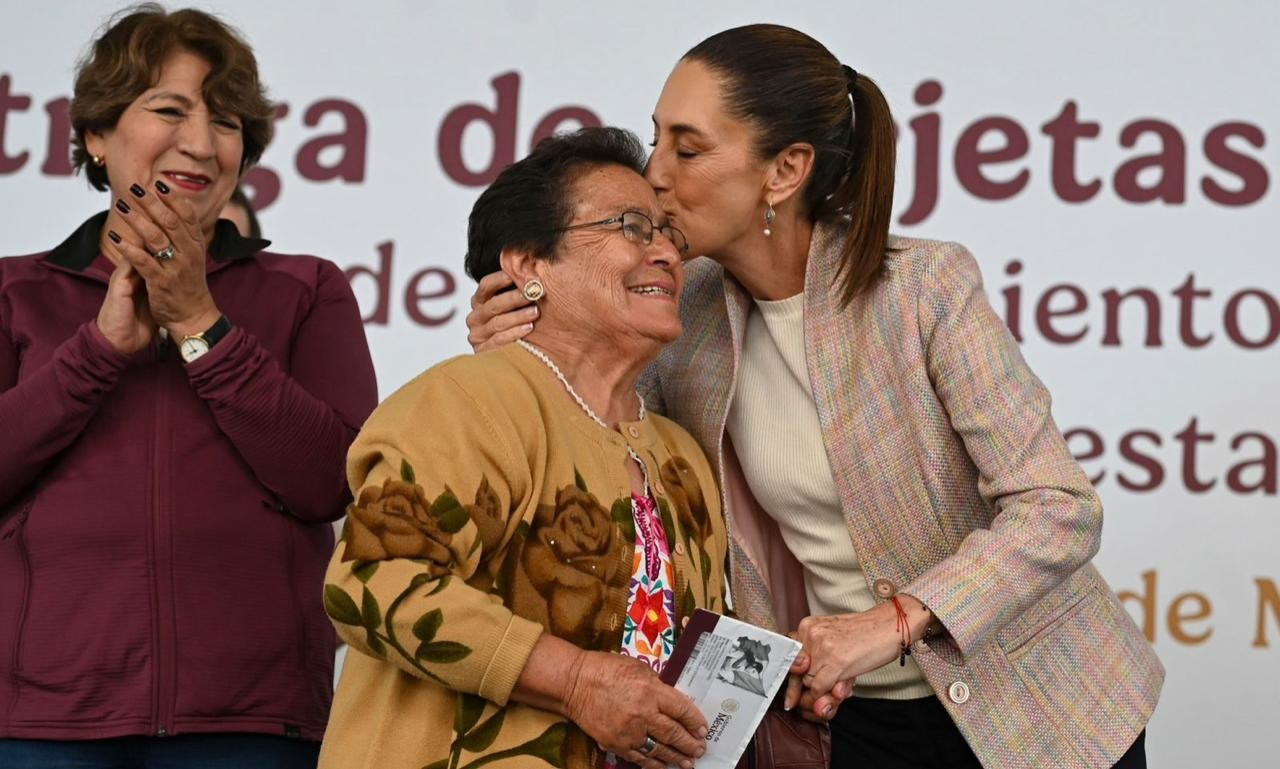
[650,631]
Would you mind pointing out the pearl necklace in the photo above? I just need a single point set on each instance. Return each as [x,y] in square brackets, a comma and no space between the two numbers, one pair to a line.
[542,356]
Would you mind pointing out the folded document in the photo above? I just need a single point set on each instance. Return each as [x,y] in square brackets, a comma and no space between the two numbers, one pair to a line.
[732,671]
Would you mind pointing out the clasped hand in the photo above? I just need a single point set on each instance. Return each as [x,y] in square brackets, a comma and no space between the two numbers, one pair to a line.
[146,293]
[837,649]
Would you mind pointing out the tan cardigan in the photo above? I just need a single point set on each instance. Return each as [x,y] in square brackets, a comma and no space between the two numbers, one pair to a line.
[490,509]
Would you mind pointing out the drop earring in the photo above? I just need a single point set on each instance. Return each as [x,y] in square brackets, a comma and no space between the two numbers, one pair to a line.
[533,290]
[769,215]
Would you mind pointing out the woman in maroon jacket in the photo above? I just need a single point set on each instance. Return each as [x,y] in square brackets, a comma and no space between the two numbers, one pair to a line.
[176,405]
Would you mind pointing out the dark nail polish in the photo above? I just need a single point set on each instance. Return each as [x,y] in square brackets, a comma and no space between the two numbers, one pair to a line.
[122,206]
[137,191]
[164,188]
[114,237]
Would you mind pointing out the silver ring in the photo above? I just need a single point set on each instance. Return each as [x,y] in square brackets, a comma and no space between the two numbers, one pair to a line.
[166,253]
[648,746]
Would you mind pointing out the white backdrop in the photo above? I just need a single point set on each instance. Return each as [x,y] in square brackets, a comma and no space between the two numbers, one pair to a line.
[1082,150]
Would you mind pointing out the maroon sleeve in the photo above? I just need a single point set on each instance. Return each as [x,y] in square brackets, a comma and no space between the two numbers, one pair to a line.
[294,428]
[45,412]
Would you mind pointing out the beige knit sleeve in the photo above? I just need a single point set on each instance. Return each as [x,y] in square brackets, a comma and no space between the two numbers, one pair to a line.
[413,581]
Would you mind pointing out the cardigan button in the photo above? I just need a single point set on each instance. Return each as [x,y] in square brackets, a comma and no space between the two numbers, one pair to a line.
[959,692]
[684,622]
[679,548]
[884,588]
[633,431]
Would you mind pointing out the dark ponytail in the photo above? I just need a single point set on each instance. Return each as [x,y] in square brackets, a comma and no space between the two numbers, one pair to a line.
[866,194]
[792,89]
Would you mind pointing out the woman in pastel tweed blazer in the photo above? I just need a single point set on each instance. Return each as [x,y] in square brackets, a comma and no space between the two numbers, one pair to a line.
[892,475]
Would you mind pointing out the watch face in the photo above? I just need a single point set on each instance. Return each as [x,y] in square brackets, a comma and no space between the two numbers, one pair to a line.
[192,348]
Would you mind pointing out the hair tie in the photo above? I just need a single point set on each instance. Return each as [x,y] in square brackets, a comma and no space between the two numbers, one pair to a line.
[851,76]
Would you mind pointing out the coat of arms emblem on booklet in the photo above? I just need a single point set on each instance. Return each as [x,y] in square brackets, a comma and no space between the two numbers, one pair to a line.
[732,671]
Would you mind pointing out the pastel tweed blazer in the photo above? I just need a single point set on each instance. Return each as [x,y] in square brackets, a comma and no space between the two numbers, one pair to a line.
[957,488]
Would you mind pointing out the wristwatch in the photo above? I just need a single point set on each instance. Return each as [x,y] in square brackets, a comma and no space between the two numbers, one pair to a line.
[193,346]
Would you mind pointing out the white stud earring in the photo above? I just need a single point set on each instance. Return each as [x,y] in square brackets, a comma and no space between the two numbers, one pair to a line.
[97,160]
[769,215]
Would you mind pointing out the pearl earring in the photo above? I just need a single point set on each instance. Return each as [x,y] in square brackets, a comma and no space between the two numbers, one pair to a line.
[769,215]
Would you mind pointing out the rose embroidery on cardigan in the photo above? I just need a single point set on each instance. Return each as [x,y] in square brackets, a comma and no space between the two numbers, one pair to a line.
[685,494]
[570,556]
[567,558]
[396,521]
[486,513]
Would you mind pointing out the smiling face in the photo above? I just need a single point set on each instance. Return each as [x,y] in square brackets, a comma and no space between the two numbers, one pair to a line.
[601,282]
[168,133]
[704,167]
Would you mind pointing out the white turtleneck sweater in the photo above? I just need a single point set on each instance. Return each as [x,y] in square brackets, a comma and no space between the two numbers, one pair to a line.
[773,422]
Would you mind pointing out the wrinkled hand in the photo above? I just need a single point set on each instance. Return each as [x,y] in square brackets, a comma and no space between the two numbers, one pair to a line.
[124,317]
[619,702]
[178,294]
[838,649]
[812,707]
[498,316]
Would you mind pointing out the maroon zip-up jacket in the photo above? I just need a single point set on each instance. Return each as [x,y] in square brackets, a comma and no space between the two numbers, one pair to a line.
[164,529]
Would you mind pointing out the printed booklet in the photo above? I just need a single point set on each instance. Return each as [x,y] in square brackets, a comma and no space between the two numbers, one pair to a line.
[732,670]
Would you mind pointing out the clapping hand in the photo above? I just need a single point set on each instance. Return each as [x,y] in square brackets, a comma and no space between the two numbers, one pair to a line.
[160,238]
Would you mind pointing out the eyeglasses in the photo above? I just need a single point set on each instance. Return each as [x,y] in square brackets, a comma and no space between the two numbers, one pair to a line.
[638,228]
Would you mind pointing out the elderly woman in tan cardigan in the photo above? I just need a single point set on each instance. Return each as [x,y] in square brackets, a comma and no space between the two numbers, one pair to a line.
[527,540]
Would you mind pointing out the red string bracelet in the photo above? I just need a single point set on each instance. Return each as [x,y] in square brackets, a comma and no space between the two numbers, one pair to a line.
[904,630]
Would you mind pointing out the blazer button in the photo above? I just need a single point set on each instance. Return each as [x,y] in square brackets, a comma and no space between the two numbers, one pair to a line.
[884,588]
[959,692]
[633,431]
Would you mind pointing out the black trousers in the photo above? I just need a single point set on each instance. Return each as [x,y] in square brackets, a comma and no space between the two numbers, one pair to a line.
[914,734]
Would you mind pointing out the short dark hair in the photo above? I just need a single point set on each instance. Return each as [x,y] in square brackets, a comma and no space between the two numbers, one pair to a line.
[125,61]
[240,199]
[529,203]
[791,89]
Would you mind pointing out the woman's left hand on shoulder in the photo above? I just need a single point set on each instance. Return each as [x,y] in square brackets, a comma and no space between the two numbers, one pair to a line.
[177,290]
